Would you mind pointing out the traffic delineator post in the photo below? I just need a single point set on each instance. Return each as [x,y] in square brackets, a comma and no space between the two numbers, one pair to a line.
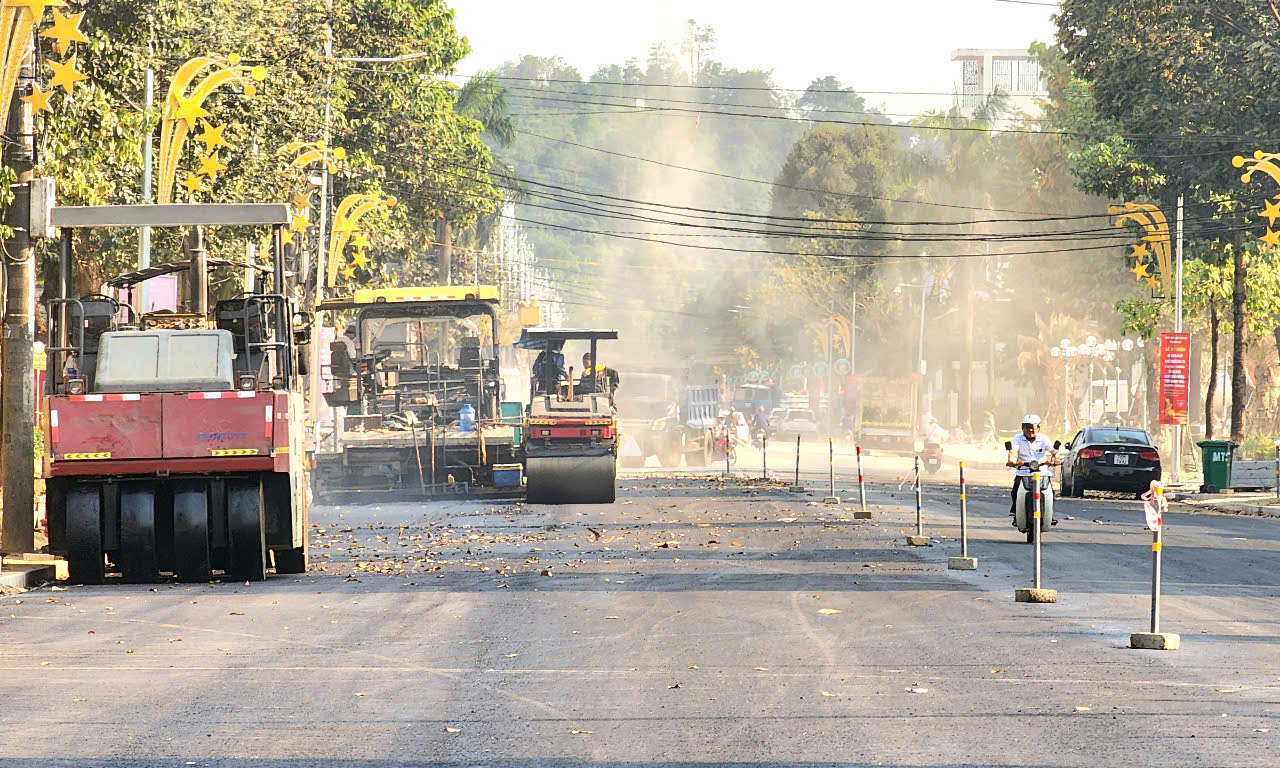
[919,539]
[797,487]
[831,498]
[1035,593]
[862,513]
[963,562]
[1155,505]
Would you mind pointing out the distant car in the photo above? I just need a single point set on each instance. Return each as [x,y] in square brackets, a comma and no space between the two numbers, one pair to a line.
[775,418]
[798,422]
[1109,459]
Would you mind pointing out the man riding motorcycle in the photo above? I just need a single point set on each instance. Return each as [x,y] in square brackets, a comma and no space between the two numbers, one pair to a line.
[1027,447]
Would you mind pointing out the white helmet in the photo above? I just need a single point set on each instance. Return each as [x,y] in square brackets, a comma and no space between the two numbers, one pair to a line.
[1031,419]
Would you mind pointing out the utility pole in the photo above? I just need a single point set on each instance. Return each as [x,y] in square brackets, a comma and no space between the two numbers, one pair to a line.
[17,396]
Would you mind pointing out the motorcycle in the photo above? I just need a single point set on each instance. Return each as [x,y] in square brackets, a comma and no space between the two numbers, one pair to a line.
[1024,514]
[932,456]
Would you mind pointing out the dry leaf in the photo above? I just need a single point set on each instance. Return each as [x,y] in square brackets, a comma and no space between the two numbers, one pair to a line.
[1261,730]
[235,613]
[447,729]
[546,571]
[595,535]
[735,543]
[1084,709]
[77,698]
[693,666]
[44,663]
[917,690]
[673,685]
[359,693]
[761,669]
[581,733]
[829,693]
[787,519]
[829,611]
[611,617]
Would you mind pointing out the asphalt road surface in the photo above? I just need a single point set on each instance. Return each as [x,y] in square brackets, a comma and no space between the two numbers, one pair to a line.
[696,622]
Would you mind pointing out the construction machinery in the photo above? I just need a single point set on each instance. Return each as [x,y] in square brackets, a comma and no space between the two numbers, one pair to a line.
[661,414]
[570,445]
[174,440]
[420,403]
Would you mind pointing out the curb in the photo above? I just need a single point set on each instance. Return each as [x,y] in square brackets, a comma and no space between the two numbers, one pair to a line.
[1233,509]
[27,575]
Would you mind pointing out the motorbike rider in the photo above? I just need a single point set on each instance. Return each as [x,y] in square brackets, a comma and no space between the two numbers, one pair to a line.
[760,422]
[1027,447]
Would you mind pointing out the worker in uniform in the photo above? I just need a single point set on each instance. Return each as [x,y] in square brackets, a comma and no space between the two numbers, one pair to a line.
[597,379]
[553,358]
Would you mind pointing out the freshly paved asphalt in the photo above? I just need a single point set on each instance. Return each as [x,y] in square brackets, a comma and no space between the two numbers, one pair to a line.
[689,624]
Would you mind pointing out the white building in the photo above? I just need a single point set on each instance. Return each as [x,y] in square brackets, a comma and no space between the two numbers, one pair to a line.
[1009,70]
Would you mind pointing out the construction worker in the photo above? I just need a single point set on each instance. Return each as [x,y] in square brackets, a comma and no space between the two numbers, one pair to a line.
[342,363]
[549,365]
[603,379]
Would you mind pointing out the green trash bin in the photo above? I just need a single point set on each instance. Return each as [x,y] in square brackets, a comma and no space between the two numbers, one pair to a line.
[1216,459]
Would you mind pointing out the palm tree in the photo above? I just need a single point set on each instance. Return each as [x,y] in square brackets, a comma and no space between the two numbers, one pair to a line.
[484,100]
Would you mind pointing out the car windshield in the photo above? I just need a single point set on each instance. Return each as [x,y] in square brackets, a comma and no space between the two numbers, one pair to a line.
[1118,435]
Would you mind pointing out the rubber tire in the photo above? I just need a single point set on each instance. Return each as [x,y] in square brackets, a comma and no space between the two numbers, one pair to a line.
[85,561]
[192,561]
[246,531]
[139,558]
[1031,532]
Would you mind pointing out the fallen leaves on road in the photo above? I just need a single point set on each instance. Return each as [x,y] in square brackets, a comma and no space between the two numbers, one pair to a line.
[917,690]
[581,733]
[235,613]
[735,543]
[546,571]
[1084,709]
[448,729]
[829,611]
[77,698]
[611,617]
[595,535]
[673,685]
[761,669]
[829,693]
[359,693]
[788,519]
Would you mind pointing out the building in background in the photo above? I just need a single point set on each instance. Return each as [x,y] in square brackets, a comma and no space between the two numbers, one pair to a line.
[1011,71]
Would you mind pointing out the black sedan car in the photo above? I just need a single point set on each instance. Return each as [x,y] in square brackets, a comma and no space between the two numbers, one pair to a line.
[1109,459]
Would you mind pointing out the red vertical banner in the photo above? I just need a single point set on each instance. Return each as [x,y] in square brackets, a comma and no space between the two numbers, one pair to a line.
[1175,361]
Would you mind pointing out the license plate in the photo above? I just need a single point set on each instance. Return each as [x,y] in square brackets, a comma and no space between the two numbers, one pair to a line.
[1120,458]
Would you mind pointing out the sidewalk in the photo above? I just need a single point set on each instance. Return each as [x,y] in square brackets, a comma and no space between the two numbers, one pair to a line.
[1262,504]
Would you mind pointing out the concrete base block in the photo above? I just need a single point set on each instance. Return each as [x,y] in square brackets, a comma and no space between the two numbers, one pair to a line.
[1155,641]
[831,500]
[1033,595]
[962,563]
[22,575]
[919,541]
[862,514]
[796,489]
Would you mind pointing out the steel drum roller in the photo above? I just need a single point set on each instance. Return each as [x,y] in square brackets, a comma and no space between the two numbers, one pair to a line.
[571,479]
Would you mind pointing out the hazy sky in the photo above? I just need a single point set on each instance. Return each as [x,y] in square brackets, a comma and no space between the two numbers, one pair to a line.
[871,45]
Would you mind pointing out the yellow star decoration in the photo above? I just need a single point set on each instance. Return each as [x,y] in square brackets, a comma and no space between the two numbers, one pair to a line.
[209,166]
[188,111]
[345,226]
[1272,238]
[359,241]
[1272,212]
[300,223]
[1140,270]
[1152,283]
[359,259]
[65,75]
[212,138]
[302,201]
[66,30]
[287,237]
[348,271]
[39,99]
[35,6]
[192,183]
[1141,251]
